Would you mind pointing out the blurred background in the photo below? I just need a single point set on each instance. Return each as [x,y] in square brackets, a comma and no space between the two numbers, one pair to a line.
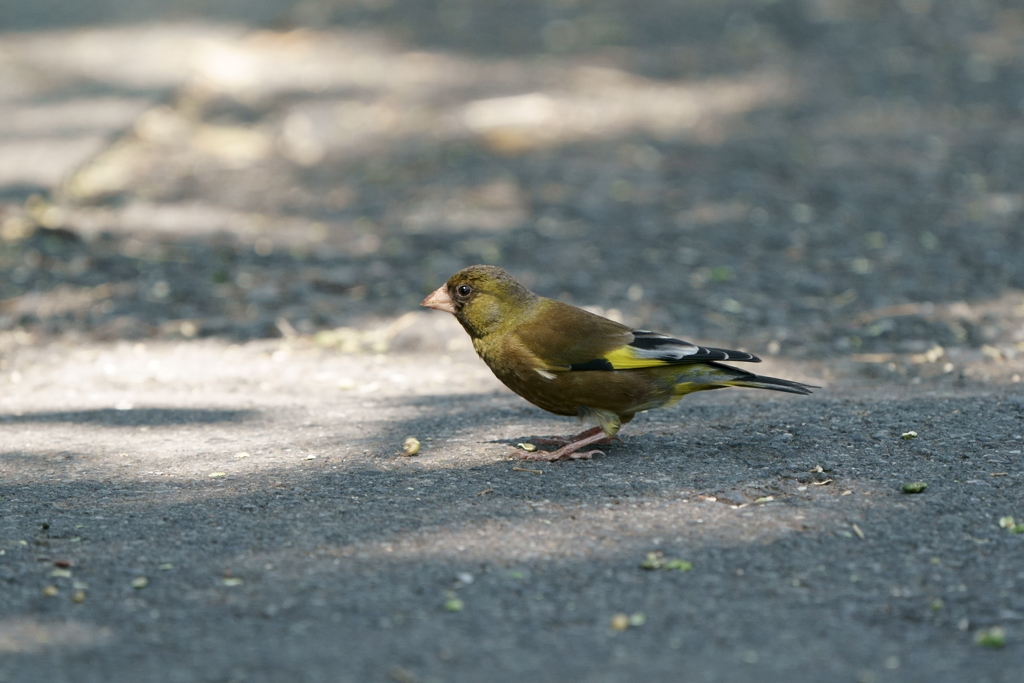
[836,181]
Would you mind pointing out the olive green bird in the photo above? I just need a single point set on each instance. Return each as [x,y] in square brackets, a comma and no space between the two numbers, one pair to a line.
[571,362]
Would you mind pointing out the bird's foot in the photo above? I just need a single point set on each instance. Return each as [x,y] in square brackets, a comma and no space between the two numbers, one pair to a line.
[562,441]
[550,441]
[571,451]
[552,456]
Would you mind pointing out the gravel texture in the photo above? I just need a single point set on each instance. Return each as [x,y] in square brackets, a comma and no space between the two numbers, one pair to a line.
[215,230]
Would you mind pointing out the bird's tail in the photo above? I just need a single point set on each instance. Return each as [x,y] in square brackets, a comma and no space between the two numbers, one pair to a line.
[704,376]
[772,383]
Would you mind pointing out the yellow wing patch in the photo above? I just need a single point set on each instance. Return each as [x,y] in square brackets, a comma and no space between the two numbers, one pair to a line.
[624,358]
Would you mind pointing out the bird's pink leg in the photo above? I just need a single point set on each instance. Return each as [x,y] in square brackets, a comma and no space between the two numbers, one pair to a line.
[566,440]
[569,451]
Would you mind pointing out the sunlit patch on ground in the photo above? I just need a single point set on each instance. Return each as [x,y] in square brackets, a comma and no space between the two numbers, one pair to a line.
[23,635]
[214,238]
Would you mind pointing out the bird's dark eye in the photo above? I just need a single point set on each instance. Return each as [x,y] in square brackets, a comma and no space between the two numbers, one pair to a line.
[463,291]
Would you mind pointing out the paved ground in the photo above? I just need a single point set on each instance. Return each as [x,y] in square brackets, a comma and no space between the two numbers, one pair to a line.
[214,233]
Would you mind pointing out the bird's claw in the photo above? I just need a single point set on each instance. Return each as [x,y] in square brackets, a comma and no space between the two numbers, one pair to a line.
[552,456]
[570,450]
[562,441]
[585,455]
[551,441]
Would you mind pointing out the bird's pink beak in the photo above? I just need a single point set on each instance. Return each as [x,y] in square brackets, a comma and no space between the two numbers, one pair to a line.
[440,300]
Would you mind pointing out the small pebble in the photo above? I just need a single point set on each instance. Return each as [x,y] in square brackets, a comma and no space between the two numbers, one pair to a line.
[619,622]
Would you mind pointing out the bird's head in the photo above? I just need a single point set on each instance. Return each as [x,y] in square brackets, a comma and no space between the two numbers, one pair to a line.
[484,299]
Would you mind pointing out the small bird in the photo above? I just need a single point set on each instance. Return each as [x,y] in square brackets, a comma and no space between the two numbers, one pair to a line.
[572,362]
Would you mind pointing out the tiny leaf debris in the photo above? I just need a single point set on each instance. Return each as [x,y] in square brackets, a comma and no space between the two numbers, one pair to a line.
[994,637]
[657,560]
[679,565]
[908,435]
[1010,524]
[140,582]
[915,487]
[411,446]
[528,447]
[453,603]
[654,560]
[400,675]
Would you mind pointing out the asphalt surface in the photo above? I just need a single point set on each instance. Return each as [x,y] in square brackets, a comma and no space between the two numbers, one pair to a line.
[216,226]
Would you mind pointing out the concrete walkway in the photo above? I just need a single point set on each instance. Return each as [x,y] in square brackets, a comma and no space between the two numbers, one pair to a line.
[214,233]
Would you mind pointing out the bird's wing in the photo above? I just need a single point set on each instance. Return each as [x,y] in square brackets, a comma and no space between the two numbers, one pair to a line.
[560,335]
[650,349]
[568,338]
